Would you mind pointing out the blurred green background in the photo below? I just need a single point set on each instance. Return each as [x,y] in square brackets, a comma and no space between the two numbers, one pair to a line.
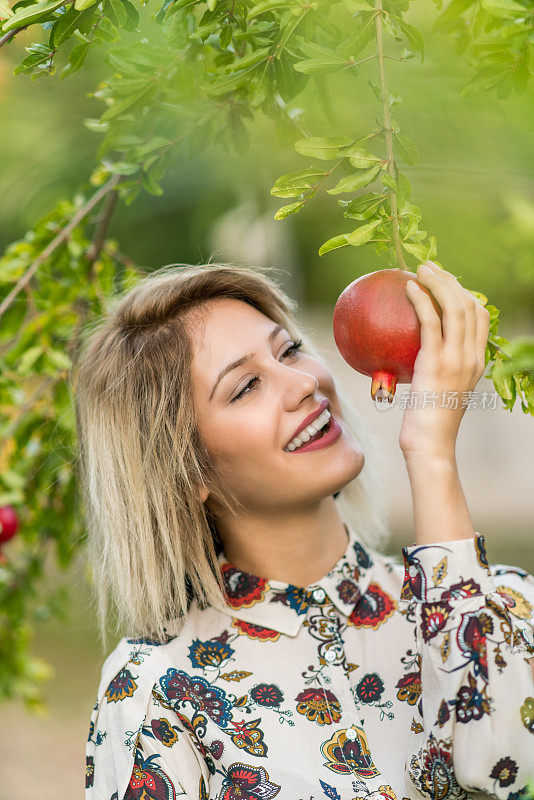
[475,188]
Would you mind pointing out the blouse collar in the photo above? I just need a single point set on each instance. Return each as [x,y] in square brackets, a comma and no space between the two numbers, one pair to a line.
[280,606]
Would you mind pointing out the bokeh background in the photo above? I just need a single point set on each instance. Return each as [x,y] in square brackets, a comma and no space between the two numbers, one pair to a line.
[475,188]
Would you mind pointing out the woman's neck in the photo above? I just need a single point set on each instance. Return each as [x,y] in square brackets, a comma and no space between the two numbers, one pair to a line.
[295,548]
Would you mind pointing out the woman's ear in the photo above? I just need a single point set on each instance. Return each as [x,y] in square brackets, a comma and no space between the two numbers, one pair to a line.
[203,493]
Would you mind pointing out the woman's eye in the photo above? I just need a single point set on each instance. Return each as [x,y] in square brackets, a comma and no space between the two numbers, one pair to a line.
[290,350]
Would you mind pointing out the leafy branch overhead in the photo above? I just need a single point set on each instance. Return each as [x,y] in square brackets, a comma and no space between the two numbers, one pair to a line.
[182,77]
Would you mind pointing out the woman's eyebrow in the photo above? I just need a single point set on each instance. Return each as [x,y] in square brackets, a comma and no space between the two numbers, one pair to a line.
[233,364]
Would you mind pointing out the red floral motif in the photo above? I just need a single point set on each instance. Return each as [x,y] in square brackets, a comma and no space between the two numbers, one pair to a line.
[409,688]
[248,783]
[242,588]
[374,608]
[148,780]
[256,631]
[471,640]
[434,618]
[313,704]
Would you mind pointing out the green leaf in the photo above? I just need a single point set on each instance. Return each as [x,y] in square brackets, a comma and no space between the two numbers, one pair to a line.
[58,359]
[362,234]
[225,36]
[361,158]
[64,27]
[5,10]
[388,181]
[324,147]
[355,6]
[319,66]
[122,168]
[31,14]
[269,5]
[415,40]
[479,296]
[355,181]
[504,9]
[29,358]
[248,61]
[227,83]
[504,384]
[407,149]
[314,50]
[447,18]
[31,62]
[76,58]
[119,106]
[289,30]
[285,211]
[357,237]
[333,244]
[420,251]
[13,480]
[81,5]
[116,12]
[294,183]
[363,207]
[132,22]
[356,42]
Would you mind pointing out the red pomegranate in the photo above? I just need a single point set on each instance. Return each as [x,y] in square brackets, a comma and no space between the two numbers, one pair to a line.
[9,523]
[377,330]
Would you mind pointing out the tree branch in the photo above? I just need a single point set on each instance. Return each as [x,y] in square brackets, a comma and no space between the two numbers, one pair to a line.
[57,240]
[10,34]
[100,234]
[388,133]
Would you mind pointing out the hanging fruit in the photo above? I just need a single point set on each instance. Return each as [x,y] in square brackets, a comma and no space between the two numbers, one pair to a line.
[9,523]
[377,330]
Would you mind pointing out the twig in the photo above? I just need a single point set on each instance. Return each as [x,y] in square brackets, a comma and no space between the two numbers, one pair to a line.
[100,234]
[498,347]
[10,34]
[57,240]
[389,133]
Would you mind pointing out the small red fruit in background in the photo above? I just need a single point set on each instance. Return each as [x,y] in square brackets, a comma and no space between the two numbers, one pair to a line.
[377,330]
[9,523]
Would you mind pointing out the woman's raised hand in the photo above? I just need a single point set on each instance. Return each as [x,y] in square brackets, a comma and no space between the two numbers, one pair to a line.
[449,364]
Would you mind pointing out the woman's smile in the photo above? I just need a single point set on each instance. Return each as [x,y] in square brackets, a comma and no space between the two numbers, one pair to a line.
[323,438]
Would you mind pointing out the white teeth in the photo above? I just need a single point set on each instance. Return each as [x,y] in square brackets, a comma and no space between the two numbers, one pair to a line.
[305,435]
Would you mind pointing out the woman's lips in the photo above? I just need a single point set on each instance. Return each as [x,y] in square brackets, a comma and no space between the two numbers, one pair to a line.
[333,432]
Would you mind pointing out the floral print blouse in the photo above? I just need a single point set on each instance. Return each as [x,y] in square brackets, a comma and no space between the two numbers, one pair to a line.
[381,681]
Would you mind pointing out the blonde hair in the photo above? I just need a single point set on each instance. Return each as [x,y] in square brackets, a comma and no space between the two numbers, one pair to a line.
[152,544]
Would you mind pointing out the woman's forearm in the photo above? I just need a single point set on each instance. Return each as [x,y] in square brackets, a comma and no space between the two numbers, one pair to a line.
[439,506]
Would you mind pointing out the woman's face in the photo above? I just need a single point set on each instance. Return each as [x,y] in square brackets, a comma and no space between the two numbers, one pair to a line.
[247,417]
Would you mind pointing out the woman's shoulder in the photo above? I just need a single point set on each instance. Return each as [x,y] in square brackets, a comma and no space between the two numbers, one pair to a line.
[131,655]
[128,676]
[136,663]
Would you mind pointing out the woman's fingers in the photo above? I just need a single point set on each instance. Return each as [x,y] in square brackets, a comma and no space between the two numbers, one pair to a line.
[431,339]
[473,320]
[454,312]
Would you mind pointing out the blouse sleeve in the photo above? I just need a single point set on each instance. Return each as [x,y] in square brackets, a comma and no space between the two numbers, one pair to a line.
[474,631]
[138,746]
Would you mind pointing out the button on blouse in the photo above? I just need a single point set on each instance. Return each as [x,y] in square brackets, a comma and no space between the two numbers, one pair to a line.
[384,680]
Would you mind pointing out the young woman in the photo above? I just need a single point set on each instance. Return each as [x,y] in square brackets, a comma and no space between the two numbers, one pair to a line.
[236,525]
